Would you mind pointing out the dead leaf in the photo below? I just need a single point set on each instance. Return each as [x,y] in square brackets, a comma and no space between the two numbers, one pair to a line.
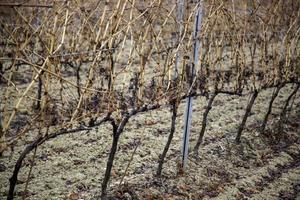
[150,122]
[73,196]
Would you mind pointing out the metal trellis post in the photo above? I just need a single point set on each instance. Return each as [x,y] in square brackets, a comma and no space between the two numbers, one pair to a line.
[188,111]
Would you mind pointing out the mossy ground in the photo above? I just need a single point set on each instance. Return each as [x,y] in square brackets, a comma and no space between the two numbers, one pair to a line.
[72,166]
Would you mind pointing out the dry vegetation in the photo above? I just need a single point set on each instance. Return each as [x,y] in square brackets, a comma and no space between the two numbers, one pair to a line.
[94,68]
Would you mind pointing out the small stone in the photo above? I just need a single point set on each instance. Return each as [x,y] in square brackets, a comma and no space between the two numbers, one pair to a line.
[68,182]
[127,196]
[2,167]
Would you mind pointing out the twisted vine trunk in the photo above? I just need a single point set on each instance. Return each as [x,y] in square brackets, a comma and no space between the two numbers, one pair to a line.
[39,141]
[167,146]
[204,122]
[117,131]
[247,113]
[275,94]
[14,178]
[109,164]
[283,113]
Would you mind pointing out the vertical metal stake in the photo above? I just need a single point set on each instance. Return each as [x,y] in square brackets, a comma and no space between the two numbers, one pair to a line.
[188,111]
